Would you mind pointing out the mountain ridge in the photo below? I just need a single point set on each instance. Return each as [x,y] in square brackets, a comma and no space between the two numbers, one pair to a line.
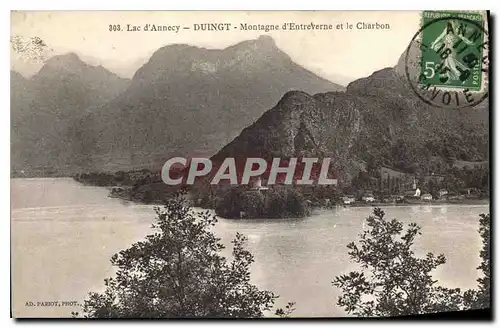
[377,121]
[249,99]
[45,110]
[218,91]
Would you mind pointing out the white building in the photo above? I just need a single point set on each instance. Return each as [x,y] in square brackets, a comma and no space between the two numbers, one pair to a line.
[257,185]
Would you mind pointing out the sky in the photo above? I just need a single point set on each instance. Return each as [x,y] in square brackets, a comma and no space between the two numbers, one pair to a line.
[340,55]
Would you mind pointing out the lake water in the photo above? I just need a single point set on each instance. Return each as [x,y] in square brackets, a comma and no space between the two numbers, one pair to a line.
[63,235]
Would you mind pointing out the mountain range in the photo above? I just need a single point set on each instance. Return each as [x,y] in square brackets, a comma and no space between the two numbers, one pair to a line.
[377,121]
[184,101]
[247,100]
[45,109]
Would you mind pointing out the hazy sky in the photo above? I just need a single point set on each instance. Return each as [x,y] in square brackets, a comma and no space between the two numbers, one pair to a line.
[338,55]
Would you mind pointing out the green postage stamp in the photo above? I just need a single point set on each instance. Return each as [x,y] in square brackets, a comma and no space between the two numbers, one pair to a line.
[454,50]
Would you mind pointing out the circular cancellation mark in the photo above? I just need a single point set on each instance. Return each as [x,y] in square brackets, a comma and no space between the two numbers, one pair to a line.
[451,70]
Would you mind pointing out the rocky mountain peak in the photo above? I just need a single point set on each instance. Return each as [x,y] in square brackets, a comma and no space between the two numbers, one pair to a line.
[291,99]
[413,60]
[69,61]
[266,41]
[182,58]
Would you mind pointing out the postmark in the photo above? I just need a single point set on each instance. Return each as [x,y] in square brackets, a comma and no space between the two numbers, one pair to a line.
[452,59]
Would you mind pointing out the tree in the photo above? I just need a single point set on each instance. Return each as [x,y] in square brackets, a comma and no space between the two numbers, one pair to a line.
[283,202]
[177,271]
[484,282]
[393,281]
[231,204]
[480,298]
[403,155]
[277,202]
[432,187]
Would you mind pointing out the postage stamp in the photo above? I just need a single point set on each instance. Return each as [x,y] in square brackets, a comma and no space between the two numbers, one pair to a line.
[453,59]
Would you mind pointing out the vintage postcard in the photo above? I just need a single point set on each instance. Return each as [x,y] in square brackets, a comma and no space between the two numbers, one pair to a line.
[248,164]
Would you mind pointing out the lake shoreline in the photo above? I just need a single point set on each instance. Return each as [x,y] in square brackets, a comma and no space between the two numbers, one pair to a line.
[76,237]
[464,202]
[435,203]
[479,201]
[124,194]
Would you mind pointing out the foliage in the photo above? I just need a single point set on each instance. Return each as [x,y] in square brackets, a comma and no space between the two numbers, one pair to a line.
[120,178]
[455,178]
[452,179]
[484,282]
[393,281]
[287,311]
[285,202]
[403,155]
[432,187]
[276,202]
[480,298]
[177,271]
[231,204]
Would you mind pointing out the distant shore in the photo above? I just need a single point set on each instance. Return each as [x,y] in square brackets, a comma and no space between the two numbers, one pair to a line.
[478,201]
[121,192]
